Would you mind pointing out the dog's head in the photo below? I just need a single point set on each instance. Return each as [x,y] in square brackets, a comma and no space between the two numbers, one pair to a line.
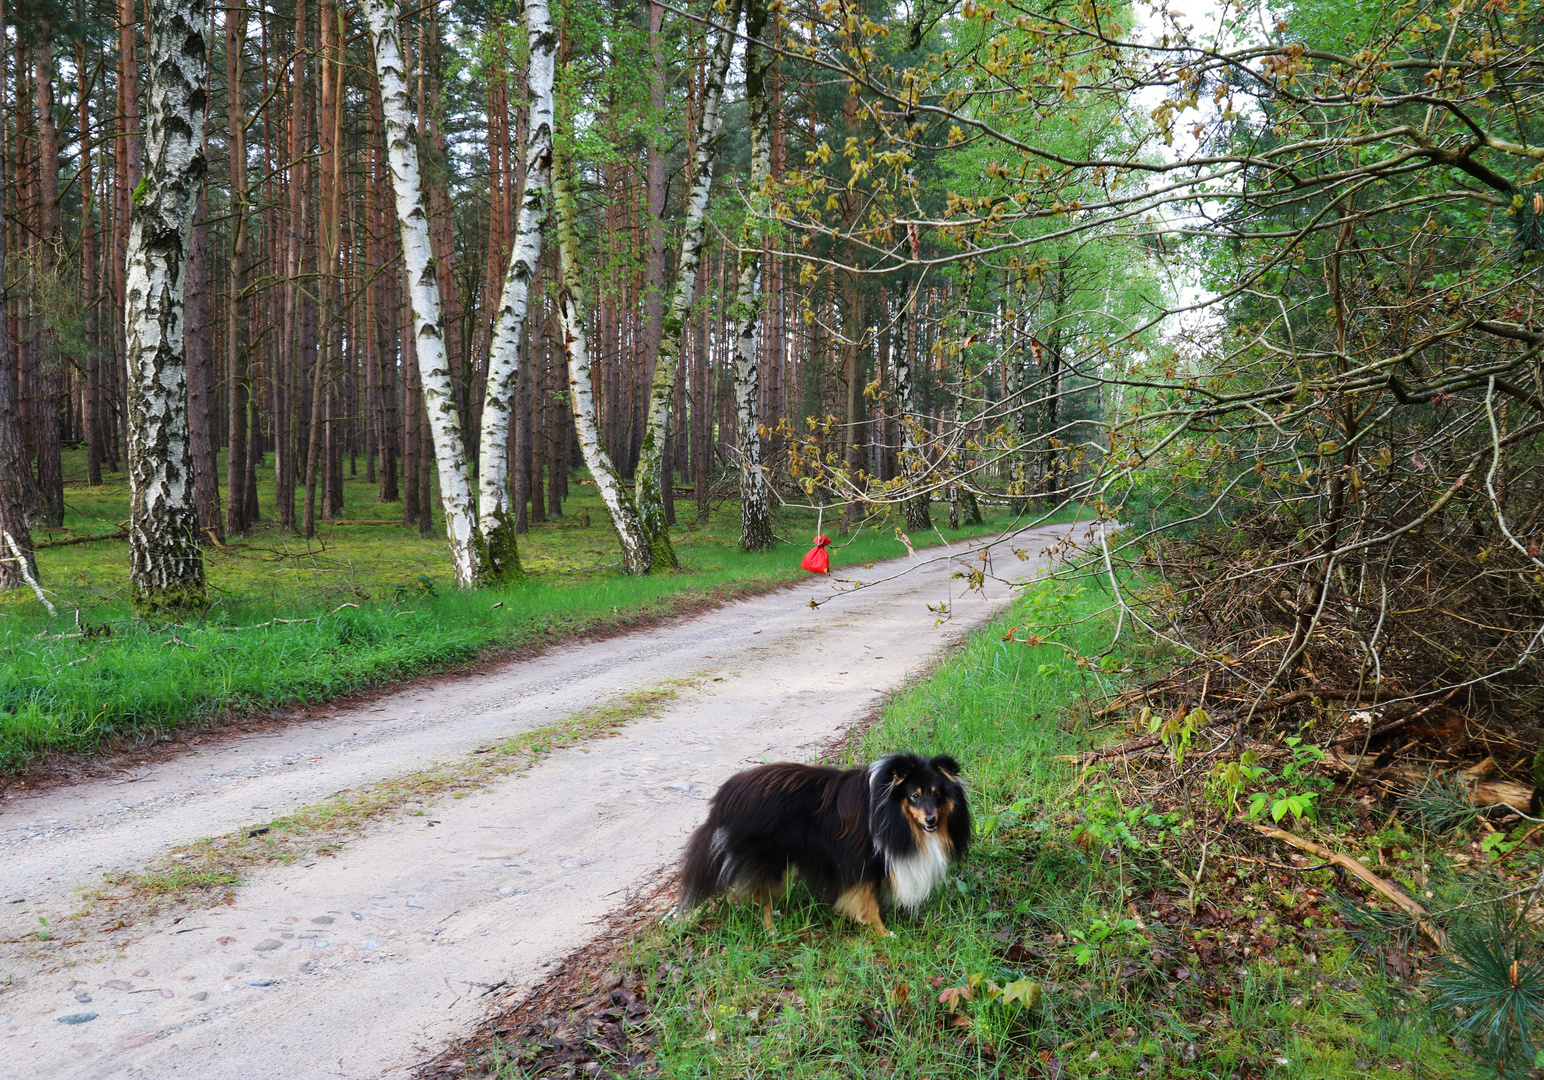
[926,790]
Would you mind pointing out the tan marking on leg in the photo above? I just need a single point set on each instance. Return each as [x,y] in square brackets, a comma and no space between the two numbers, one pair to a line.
[764,892]
[861,904]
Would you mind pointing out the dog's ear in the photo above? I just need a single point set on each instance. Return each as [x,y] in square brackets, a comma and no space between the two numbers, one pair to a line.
[945,764]
[890,772]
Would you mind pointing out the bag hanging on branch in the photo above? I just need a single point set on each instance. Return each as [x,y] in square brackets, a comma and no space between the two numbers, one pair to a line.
[818,560]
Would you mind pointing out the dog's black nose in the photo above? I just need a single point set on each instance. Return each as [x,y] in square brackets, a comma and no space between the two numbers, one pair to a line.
[931,821]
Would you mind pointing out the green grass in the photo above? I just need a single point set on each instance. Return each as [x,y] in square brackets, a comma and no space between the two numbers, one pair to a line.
[1036,907]
[293,621]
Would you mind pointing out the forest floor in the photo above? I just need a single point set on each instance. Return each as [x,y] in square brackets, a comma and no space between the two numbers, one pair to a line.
[363,605]
[432,853]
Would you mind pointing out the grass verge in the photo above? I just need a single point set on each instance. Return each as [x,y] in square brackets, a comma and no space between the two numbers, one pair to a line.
[363,605]
[1080,939]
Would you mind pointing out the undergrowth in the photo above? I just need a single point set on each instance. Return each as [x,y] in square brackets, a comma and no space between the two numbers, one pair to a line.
[1080,939]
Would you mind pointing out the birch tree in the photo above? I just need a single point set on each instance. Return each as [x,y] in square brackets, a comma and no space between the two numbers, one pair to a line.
[469,554]
[647,484]
[755,519]
[495,512]
[637,552]
[166,569]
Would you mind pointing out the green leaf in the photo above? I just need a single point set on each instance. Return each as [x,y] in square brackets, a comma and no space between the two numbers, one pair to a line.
[1023,991]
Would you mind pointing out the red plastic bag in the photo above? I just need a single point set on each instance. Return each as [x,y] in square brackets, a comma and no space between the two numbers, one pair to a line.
[818,561]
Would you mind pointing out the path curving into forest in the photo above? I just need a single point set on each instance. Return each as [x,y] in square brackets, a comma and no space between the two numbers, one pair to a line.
[363,964]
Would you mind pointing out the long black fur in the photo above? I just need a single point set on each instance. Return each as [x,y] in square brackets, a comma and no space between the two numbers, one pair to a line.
[836,828]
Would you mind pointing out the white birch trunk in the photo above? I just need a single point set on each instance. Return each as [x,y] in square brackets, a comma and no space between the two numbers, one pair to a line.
[468,552]
[637,553]
[647,485]
[755,513]
[166,563]
[495,511]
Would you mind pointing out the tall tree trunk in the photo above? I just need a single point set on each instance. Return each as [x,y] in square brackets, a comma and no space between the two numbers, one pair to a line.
[651,507]
[755,513]
[50,361]
[166,565]
[330,221]
[435,178]
[199,345]
[637,553]
[467,550]
[237,386]
[509,331]
[129,167]
[917,515]
[13,452]
[702,419]
[91,404]
[853,333]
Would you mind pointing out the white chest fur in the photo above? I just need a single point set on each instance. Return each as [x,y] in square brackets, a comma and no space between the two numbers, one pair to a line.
[914,877]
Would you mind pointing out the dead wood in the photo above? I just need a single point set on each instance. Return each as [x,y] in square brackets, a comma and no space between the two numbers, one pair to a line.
[121,534]
[1376,883]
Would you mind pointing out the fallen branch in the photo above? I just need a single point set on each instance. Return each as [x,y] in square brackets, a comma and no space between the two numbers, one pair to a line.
[1376,883]
[290,622]
[121,534]
[1529,835]
[372,521]
[1142,694]
[1144,743]
[26,572]
[1320,692]
[1130,697]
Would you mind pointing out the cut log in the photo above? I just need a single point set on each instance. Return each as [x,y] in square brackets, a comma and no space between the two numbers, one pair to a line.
[1485,792]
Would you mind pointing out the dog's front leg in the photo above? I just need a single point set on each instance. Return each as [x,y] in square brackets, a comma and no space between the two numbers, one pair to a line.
[861,904]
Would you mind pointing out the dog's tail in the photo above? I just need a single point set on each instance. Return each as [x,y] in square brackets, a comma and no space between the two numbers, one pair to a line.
[703,865]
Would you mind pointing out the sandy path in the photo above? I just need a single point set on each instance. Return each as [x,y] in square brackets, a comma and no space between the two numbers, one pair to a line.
[364,964]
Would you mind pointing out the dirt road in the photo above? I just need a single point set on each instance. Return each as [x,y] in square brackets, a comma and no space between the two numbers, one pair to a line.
[363,964]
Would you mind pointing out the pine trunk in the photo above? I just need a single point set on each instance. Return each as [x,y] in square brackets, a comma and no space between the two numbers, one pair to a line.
[166,570]
[237,386]
[198,344]
[13,452]
[49,369]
